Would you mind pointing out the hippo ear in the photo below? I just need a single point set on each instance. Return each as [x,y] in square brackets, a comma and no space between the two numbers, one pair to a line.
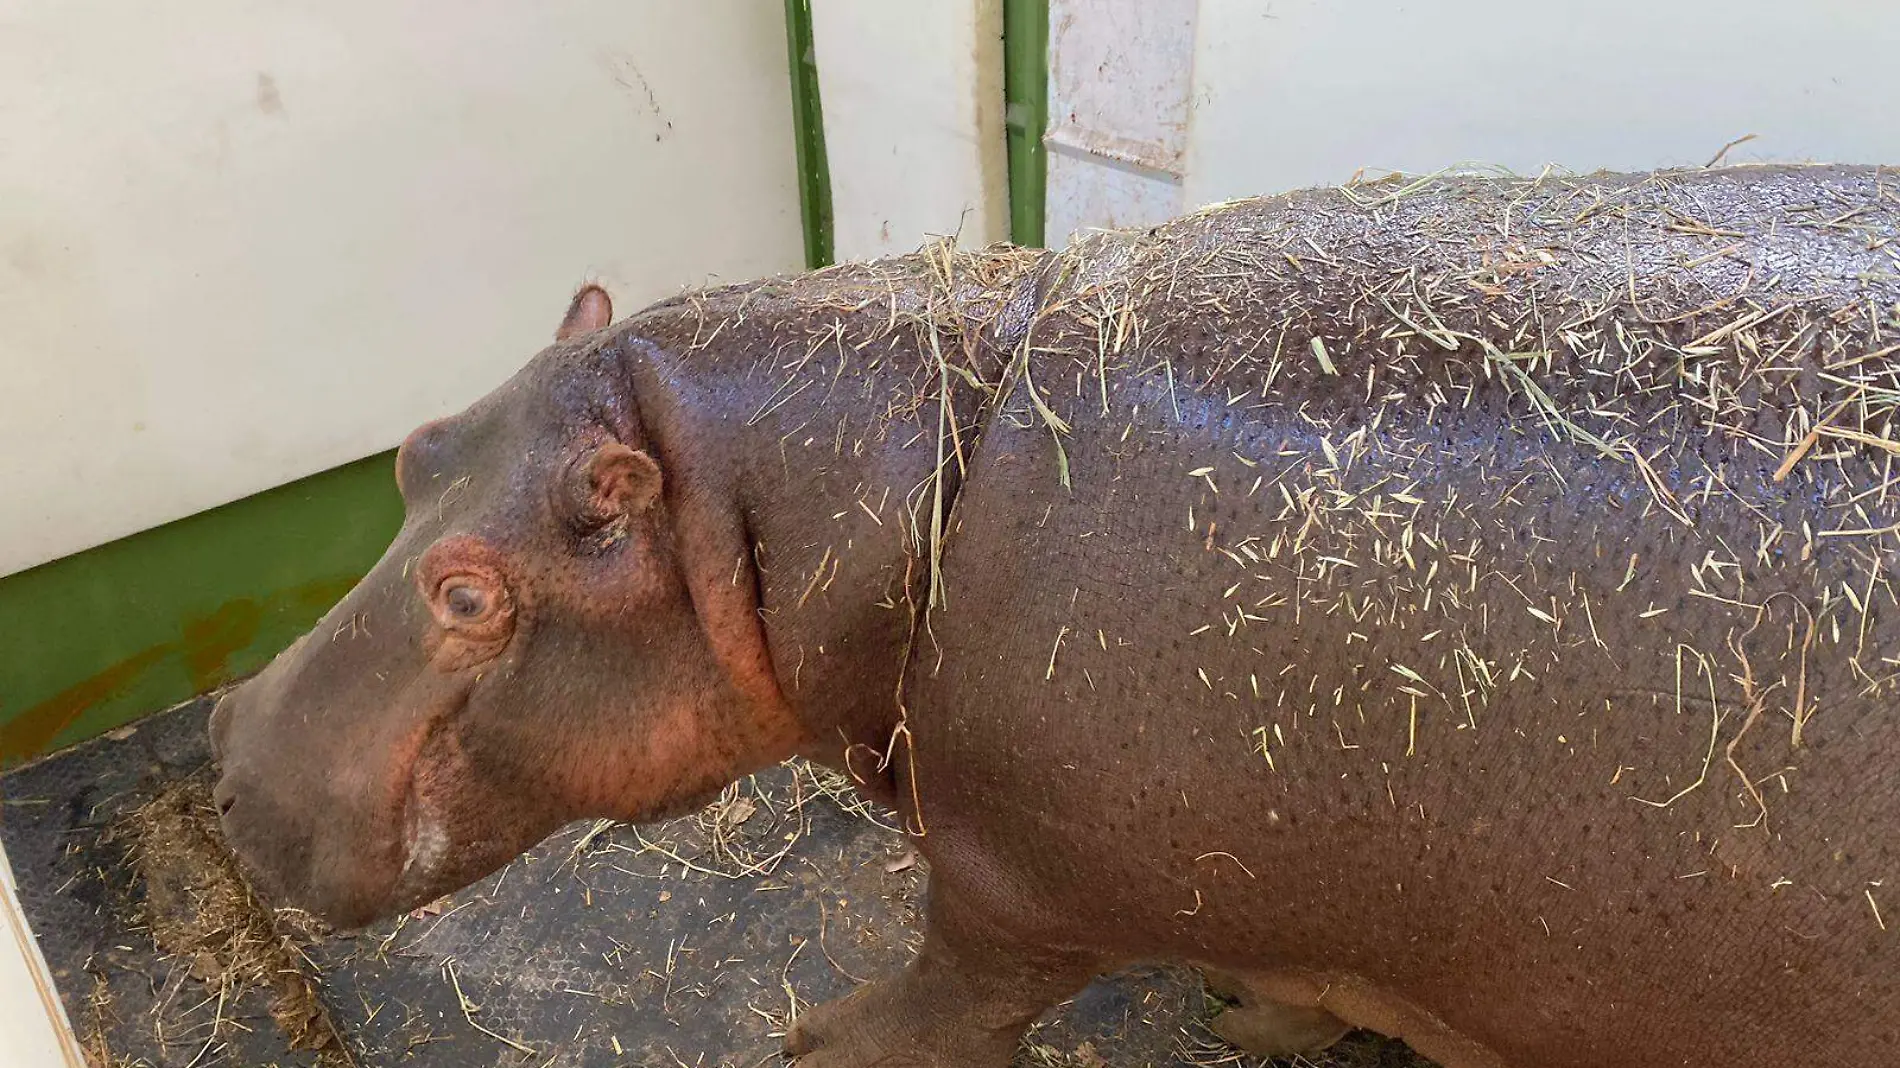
[613,481]
[590,310]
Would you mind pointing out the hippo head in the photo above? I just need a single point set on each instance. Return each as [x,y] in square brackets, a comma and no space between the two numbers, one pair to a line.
[542,642]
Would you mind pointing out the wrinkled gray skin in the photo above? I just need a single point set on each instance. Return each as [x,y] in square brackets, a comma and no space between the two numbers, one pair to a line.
[1461,611]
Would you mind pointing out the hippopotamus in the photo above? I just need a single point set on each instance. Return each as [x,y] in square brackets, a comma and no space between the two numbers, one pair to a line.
[1460,607]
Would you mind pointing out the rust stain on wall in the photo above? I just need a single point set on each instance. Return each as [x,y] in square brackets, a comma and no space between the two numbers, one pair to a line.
[210,641]
[205,648]
[29,733]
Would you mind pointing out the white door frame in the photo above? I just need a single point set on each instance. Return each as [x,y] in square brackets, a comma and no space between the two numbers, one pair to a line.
[37,1033]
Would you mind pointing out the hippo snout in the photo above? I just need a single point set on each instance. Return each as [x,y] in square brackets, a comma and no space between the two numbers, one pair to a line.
[224,796]
[289,859]
[331,811]
[225,715]
[264,808]
[273,852]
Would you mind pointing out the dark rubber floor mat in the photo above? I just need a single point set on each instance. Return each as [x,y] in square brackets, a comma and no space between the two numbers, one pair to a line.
[69,830]
[690,943]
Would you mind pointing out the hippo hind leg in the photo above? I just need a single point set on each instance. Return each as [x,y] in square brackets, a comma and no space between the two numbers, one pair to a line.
[1267,1027]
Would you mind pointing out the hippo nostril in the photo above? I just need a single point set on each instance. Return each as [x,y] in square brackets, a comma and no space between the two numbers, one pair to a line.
[224,797]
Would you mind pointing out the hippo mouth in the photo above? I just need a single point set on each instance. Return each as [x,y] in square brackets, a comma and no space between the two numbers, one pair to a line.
[426,843]
[450,830]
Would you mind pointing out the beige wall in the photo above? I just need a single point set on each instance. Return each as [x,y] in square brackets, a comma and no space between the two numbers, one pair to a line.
[913,101]
[1121,78]
[1213,99]
[1313,90]
[241,243]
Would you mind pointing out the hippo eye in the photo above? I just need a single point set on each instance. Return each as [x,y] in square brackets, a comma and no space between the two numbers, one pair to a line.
[465,602]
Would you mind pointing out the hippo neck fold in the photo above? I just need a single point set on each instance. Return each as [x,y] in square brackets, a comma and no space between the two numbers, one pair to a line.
[813,431]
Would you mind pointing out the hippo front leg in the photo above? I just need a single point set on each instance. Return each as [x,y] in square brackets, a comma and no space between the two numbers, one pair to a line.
[965,1001]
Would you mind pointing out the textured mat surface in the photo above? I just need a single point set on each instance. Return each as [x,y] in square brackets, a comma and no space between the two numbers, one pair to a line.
[685,944]
[64,824]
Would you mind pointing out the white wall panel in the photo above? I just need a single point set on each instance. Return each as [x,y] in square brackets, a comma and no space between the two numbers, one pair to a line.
[1272,95]
[241,243]
[1121,81]
[913,102]
[1303,92]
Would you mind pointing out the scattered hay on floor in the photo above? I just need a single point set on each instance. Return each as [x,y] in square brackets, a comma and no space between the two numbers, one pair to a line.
[202,914]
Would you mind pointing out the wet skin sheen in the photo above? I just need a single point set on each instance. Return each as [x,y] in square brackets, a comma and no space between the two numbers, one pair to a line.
[1460,610]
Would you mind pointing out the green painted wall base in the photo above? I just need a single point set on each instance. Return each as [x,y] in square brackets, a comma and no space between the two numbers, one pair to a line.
[97,639]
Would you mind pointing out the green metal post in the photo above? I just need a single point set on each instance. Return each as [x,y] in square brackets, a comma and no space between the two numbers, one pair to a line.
[1026,94]
[808,130]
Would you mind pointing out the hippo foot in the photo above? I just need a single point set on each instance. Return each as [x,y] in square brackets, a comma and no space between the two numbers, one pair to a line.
[1268,1028]
[1271,1029]
[891,1023]
[964,1002]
